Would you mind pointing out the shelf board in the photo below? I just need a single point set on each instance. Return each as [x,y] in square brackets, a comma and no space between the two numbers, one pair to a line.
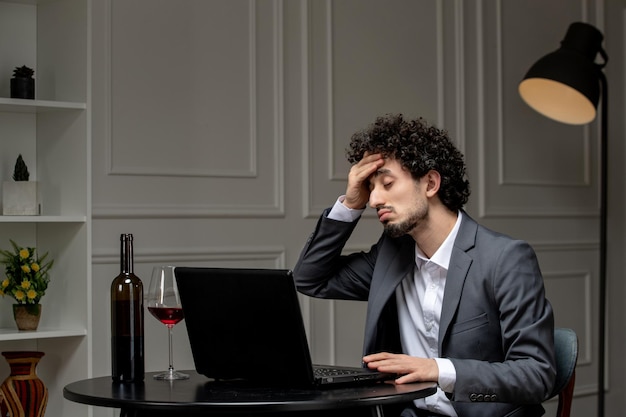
[41,333]
[18,105]
[20,1]
[43,219]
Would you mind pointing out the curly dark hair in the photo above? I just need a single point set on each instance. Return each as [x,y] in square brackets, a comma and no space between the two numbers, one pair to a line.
[419,147]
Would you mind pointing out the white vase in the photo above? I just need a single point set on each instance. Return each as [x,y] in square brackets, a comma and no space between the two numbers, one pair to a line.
[19,198]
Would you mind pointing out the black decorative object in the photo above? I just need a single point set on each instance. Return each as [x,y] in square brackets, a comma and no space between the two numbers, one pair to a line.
[23,83]
[20,172]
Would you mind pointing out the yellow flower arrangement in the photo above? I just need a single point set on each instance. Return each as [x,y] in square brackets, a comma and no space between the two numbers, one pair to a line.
[26,277]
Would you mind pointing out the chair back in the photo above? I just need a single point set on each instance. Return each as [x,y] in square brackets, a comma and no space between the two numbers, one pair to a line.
[566,350]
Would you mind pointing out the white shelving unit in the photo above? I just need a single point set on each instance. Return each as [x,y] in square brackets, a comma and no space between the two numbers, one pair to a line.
[53,135]
[16,105]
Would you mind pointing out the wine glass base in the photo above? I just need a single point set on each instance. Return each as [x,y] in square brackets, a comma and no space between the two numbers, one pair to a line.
[170,375]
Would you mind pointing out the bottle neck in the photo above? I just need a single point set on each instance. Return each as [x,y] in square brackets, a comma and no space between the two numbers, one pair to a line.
[126,254]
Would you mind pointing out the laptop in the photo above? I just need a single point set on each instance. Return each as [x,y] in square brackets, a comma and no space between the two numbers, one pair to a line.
[245,324]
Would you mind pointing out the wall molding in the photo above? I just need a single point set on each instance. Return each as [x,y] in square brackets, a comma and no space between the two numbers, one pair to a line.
[177,255]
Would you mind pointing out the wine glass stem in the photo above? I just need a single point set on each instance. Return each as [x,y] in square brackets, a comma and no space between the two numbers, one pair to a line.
[169,332]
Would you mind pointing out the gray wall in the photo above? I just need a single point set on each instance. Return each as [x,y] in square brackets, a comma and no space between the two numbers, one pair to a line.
[219,130]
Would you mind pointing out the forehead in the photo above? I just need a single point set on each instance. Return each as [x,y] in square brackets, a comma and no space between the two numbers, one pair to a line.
[391,167]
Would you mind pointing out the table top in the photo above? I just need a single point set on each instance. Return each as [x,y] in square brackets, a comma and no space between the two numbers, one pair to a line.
[199,393]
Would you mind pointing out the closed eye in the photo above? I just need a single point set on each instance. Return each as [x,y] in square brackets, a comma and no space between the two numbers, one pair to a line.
[386,185]
[382,176]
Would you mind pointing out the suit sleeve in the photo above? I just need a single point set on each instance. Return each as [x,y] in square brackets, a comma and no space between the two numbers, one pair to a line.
[323,272]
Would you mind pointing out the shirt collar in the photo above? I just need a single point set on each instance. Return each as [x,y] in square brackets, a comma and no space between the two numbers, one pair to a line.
[442,256]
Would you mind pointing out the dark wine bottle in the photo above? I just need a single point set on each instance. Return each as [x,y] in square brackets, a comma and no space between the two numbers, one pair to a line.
[127,345]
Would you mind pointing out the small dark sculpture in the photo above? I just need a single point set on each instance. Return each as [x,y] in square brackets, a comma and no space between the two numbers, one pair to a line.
[23,72]
[20,173]
[22,83]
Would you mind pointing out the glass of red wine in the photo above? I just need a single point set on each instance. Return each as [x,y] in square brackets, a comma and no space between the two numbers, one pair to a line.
[163,302]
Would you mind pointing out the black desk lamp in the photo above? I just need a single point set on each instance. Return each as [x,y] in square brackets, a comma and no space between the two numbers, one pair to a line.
[565,85]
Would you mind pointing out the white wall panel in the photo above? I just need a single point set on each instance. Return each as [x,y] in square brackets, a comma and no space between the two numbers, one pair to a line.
[569,268]
[193,92]
[357,74]
[532,166]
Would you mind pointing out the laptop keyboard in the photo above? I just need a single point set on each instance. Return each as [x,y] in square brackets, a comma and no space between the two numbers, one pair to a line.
[326,372]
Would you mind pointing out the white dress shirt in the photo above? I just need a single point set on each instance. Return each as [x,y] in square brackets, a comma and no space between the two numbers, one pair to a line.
[419,299]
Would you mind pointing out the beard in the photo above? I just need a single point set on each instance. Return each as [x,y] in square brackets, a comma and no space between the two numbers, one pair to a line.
[406,226]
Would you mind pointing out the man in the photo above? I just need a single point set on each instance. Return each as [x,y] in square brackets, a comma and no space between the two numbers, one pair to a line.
[448,300]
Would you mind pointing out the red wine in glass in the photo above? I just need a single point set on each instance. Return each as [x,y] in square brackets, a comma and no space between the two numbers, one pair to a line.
[163,302]
[167,315]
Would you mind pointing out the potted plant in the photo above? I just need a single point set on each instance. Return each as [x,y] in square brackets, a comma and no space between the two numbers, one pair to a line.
[26,280]
[23,83]
[19,197]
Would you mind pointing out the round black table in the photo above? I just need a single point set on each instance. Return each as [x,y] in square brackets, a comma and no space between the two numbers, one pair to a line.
[200,395]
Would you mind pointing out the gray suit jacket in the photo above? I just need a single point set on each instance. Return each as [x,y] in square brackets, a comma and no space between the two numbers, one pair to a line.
[496,325]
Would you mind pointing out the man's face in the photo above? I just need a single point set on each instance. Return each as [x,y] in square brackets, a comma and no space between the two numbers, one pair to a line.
[399,200]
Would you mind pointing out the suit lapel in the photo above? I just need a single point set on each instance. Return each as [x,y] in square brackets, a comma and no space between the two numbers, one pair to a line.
[458,268]
[395,261]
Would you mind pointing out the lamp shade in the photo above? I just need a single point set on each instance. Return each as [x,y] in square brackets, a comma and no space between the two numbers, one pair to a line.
[565,84]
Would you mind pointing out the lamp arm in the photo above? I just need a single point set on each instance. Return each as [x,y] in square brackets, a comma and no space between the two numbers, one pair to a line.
[603,240]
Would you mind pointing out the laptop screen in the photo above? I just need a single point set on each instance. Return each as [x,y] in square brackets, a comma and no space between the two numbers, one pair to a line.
[245,324]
